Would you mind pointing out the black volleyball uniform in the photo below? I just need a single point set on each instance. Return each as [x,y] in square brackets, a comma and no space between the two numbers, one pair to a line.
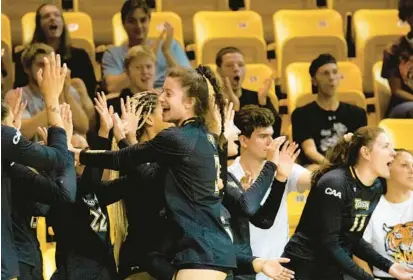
[83,246]
[27,188]
[191,191]
[15,148]
[245,207]
[147,222]
[331,227]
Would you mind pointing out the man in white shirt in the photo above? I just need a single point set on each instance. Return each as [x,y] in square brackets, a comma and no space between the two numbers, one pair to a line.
[256,128]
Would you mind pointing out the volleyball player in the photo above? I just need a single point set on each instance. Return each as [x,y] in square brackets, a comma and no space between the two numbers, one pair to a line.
[345,192]
[390,230]
[203,249]
[29,188]
[15,148]
[134,250]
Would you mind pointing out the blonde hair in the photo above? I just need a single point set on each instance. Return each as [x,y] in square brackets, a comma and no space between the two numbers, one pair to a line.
[138,52]
[117,216]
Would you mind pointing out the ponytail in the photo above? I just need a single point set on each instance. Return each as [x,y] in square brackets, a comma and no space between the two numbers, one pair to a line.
[219,99]
[206,72]
[117,216]
[346,152]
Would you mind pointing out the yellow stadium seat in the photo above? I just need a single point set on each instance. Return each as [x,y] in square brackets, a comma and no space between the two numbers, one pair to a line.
[345,6]
[299,86]
[155,28]
[101,11]
[78,24]
[216,30]
[186,9]
[400,131]
[382,91]
[295,206]
[302,35]
[267,8]
[374,31]
[254,79]
[6,44]
[6,31]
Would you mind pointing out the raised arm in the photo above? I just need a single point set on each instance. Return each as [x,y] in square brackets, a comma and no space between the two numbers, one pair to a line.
[43,188]
[166,146]
[265,216]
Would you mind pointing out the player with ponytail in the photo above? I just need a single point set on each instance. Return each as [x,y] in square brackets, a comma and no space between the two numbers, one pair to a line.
[189,154]
[344,194]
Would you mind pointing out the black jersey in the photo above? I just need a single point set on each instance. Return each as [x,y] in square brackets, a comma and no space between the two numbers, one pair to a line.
[83,246]
[245,207]
[331,227]
[15,148]
[147,222]
[27,188]
[191,191]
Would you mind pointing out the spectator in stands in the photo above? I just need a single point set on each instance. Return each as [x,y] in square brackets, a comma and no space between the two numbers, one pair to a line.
[140,67]
[255,124]
[319,125]
[398,68]
[391,226]
[51,30]
[35,114]
[136,17]
[231,68]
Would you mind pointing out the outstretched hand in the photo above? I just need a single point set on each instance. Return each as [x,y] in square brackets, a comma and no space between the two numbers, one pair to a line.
[105,114]
[14,100]
[51,77]
[274,269]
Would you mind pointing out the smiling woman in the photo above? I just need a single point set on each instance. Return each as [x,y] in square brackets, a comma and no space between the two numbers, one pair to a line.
[203,248]
[345,192]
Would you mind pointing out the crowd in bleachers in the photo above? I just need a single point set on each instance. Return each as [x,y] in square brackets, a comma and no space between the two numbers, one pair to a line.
[313,71]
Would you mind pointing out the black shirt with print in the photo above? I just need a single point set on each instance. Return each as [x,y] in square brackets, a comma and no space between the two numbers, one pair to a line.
[332,224]
[325,127]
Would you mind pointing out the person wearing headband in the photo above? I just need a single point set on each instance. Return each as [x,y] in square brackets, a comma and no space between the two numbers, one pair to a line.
[231,68]
[318,126]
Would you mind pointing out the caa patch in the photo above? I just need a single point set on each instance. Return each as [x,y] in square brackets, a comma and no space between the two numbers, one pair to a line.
[330,191]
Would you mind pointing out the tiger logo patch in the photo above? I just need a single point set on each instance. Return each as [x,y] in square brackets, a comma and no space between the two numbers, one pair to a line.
[399,242]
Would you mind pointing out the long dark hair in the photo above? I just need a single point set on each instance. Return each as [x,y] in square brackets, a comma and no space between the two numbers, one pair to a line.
[346,152]
[40,37]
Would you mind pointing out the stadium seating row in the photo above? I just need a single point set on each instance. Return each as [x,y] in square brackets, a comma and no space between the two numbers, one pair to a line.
[186,9]
[299,35]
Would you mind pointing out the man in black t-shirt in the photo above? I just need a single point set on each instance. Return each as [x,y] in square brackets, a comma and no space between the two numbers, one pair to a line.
[231,68]
[319,125]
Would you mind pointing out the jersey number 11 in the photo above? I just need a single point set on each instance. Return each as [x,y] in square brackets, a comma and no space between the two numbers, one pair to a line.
[359,221]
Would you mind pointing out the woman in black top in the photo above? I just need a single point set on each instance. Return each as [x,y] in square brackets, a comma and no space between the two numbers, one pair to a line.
[189,153]
[140,240]
[345,192]
[28,188]
[15,148]
[51,29]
